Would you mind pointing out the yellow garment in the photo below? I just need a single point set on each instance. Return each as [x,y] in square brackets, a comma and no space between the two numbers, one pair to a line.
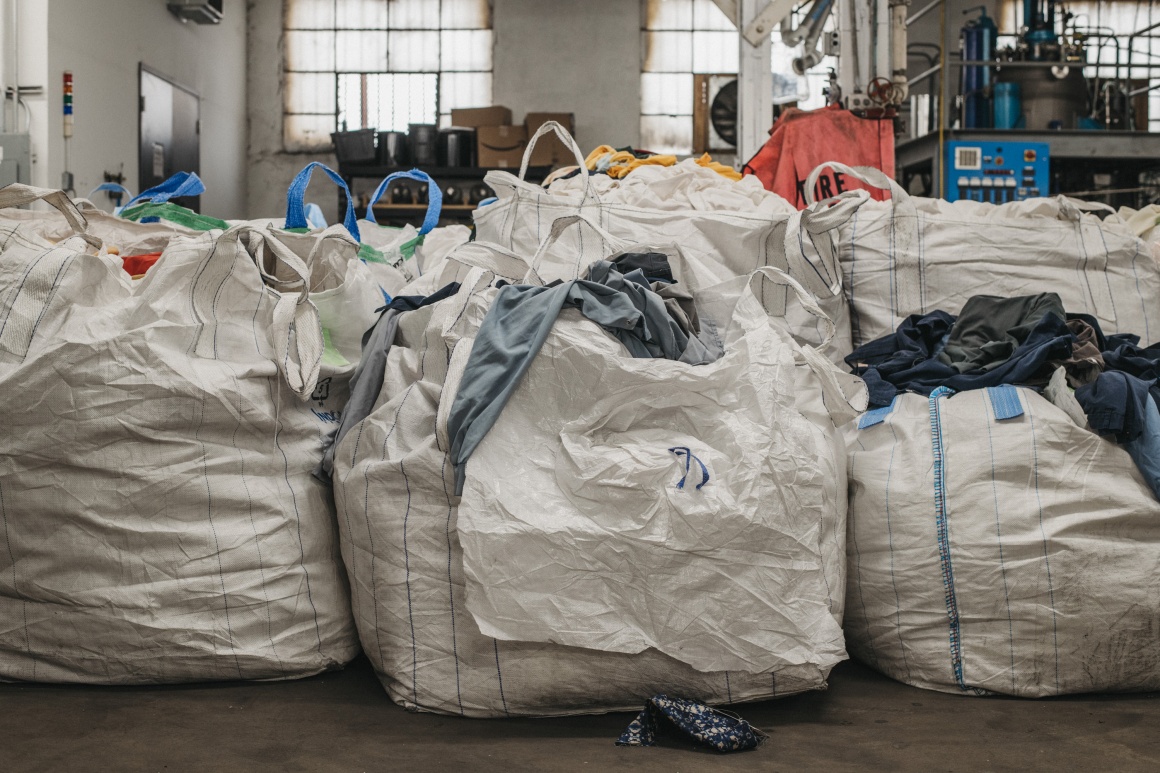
[621,170]
[725,171]
[619,163]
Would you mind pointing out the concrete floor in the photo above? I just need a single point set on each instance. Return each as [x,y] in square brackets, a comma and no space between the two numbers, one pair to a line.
[345,722]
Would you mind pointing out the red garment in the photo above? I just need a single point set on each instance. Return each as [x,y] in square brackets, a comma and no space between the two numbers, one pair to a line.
[136,265]
[803,139]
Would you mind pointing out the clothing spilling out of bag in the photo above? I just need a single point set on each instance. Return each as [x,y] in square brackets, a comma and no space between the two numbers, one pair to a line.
[618,163]
[1023,341]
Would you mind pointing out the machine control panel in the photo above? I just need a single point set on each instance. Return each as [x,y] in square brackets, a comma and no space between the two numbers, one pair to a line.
[996,172]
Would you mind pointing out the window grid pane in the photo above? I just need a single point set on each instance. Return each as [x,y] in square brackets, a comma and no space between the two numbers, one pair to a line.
[465,15]
[413,51]
[360,51]
[309,92]
[361,14]
[309,15]
[667,51]
[381,64]
[668,14]
[310,51]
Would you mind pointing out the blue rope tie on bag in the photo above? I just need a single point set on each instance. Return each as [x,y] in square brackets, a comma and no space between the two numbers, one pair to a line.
[296,208]
[689,459]
[434,197]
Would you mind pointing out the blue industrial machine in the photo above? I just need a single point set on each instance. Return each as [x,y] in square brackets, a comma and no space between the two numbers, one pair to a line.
[978,45]
[996,172]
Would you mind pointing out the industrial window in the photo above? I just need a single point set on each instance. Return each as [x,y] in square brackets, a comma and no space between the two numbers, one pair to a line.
[1110,24]
[381,64]
[681,38]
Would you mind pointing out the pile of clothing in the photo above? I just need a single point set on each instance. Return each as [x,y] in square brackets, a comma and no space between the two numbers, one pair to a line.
[1108,383]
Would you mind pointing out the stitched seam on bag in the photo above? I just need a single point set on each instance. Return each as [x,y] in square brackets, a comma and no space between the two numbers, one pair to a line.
[276,387]
[921,266]
[1083,270]
[943,535]
[999,542]
[253,525]
[499,673]
[1107,281]
[1046,560]
[44,306]
[269,620]
[213,530]
[193,310]
[407,565]
[855,316]
[370,544]
[450,584]
[1143,306]
[23,600]
[10,300]
[890,543]
[893,269]
[858,560]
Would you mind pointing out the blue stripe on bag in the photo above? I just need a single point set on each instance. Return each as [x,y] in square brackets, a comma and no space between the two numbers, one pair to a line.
[1005,401]
[943,534]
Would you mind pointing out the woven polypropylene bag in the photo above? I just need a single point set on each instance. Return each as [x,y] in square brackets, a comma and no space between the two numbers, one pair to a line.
[912,255]
[994,545]
[399,524]
[160,517]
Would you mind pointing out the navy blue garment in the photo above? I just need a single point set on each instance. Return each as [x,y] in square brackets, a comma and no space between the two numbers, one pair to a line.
[412,302]
[1124,353]
[693,720]
[1116,404]
[1145,450]
[907,360]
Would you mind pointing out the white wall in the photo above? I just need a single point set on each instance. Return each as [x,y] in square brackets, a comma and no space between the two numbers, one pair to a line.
[102,43]
[579,56]
[32,49]
[269,169]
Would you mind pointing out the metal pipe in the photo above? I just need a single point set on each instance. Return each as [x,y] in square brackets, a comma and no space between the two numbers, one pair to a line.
[942,102]
[1143,90]
[1001,63]
[15,20]
[927,73]
[923,12]
[814,23]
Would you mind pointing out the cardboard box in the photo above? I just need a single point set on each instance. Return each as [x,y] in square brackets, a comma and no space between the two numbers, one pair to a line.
[474,117]
[501,146]
[549,151]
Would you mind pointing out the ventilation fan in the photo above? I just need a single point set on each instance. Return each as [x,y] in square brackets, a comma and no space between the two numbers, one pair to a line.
[714,113]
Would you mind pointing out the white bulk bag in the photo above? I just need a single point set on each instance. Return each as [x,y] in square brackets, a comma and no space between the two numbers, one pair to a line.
[914,255]
[1014,555]
[162,523]
[730,242]
[626,505]
[399,523]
